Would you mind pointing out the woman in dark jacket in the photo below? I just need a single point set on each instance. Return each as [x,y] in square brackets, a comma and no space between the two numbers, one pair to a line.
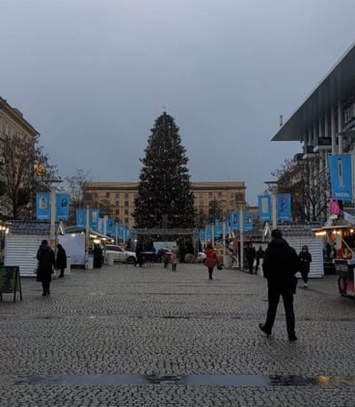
[46,260]
[305,261]
[61,261]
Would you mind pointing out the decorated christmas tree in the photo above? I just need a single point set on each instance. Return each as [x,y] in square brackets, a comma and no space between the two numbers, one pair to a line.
[165,199]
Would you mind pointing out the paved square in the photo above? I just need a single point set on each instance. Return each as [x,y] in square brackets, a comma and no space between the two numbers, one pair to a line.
[126,336]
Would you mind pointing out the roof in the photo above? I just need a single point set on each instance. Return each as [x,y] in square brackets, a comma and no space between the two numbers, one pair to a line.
[297,229]
[33,227]
[338,85]
[79,229]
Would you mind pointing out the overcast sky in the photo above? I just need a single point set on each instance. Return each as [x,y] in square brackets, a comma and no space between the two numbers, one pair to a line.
[93,75]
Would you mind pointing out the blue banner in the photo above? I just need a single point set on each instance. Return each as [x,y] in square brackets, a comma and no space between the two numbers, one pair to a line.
[234,220]
[201,235]
[284,207]
[110,227]
[264,207]
[248,220]
[208,232]
[340,176]
[81,218]
[62,203]
[121,232]
[218,228]
[43,210]
[94,218]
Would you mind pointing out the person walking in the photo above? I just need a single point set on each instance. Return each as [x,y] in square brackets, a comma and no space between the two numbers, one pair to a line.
[174,257]
[280,265]
[46,260]
[305,261]
[61,260]
[250,255]
[211,259]
[139,255]
[259,256]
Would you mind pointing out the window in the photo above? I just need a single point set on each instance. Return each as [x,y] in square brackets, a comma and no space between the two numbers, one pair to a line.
[117,203]
[126,195]
[117,211]
[126,211]
[107,195]
[117,195]
[126,203]
[210,195]
[219,194]
[126,221]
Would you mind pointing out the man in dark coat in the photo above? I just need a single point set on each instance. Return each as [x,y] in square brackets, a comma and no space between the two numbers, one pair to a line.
[46,260]
[279,266]
[250,254]
[61,261]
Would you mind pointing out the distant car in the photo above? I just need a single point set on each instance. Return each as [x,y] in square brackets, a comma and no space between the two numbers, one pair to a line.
[120,254]
[201,257]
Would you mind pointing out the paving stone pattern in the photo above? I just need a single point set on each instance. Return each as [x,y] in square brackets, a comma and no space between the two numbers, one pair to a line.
[122,321]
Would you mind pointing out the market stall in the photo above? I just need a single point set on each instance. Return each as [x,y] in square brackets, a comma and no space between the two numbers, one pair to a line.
[339,241]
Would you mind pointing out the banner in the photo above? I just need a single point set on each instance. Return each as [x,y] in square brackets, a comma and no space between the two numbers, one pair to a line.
[248,220]
[234,220]
[110,227]
[94,218]
[201,235]
[218,229]
[284,207]
[43,210]
[340,176]
[264,207]
[121,232]
[81,218]
[62,203]
[208,232]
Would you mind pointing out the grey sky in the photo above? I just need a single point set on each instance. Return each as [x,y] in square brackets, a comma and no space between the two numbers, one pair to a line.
[93,75]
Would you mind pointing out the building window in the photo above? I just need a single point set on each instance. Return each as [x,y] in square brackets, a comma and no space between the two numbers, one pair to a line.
[219,194]
[117,211]
[117,203]
[126,203]
[107,195]
[210,195]
[126,211]
[126,195]
[117,195]
[126,221]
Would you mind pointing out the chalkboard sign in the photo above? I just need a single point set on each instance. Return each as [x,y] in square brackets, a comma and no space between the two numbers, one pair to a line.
[10,281]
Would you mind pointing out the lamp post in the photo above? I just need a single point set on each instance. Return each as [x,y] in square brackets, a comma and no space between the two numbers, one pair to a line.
[273,189]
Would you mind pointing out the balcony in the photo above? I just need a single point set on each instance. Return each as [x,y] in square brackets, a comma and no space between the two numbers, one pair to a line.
[324,144]
[308,152]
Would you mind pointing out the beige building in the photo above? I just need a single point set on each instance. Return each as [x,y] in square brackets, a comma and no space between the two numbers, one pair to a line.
[12,125]
[119,196]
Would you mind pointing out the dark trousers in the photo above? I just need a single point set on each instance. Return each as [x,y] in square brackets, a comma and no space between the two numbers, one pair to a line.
[274,293]
[45,287]
[210,272]
[61,273]
[257,265]
[250,264]
[304,276]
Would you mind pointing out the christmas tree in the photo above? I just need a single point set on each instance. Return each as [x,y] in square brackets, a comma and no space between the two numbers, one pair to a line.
[165,199]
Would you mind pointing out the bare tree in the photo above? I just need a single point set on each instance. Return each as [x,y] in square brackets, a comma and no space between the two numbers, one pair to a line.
[76,186]
[309,187]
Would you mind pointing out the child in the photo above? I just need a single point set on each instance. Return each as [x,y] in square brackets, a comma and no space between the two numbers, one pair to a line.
[165,260]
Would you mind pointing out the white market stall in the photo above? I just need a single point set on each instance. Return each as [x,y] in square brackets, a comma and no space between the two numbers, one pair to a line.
[22,243]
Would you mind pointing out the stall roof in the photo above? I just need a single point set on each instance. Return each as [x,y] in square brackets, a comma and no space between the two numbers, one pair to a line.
[33,227]
[79,229]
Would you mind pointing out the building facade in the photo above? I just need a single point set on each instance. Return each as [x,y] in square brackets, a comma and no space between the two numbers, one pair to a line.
[325,122]
[118,197]
[13,126]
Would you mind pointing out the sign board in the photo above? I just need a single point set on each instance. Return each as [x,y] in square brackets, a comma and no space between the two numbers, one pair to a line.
[10,281]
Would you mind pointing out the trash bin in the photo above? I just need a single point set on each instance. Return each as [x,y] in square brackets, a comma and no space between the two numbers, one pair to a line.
[68,268]
[89,265]
[110,259]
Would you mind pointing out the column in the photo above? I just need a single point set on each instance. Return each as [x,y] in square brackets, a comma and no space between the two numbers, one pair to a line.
[340,127]
[333,131]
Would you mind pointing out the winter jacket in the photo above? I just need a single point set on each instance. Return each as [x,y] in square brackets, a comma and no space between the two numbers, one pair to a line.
[211,258]
[305,260]
[46,260]
[280,264]
[61,261]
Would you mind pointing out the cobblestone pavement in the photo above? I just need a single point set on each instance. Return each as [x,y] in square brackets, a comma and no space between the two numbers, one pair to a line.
[126,336]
